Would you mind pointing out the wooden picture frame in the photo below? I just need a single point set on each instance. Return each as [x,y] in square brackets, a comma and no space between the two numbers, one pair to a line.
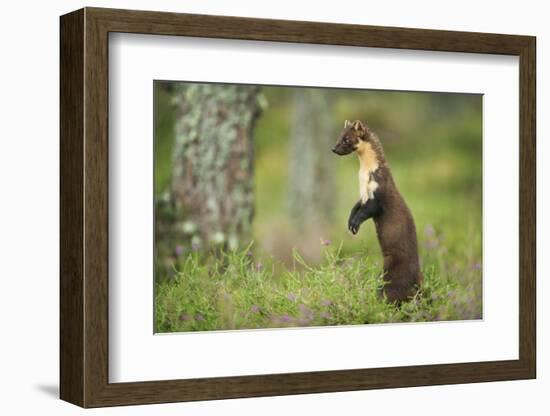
[84,207]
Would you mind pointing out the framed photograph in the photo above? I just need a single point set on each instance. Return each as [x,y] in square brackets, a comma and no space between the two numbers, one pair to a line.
[255,207]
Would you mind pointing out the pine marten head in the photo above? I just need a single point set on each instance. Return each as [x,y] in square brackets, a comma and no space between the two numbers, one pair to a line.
[354,137]
[357,137]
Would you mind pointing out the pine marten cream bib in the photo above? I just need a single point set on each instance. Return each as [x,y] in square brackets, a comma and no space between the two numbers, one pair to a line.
[368,164]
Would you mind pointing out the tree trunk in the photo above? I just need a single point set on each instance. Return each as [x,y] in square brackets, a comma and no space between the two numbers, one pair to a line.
[311,187]
[212,176]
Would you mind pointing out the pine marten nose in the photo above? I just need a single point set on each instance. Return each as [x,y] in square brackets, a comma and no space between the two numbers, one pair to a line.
[334,150]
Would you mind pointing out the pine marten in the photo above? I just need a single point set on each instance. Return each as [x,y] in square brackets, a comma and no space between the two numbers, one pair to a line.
[381,201]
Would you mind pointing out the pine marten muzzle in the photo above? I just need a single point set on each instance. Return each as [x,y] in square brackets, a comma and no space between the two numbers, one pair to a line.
[381,201]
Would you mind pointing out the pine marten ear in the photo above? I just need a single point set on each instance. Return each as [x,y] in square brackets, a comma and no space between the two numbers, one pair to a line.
[346,124]
[359,127]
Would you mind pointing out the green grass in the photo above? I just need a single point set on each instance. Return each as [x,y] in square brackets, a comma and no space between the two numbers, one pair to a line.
[233,290]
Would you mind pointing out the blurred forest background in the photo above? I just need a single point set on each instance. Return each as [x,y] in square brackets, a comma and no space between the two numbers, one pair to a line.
[251,205]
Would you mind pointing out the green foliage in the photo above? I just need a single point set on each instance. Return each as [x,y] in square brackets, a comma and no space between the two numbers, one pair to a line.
[233,290]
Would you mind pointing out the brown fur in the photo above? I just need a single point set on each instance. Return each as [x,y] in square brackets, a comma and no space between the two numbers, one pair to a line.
[396,234]
[395,227]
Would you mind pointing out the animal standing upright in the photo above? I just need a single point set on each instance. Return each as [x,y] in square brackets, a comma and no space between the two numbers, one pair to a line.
[381,201]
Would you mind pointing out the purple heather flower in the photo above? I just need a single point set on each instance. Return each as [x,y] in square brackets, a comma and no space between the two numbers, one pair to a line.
[303,308]
[286,318]
[325,242]
[291,297]
[179,250]
[429,231]
[324,315]
[306,321]
[199,317]
[184,317]
[432,243]
[306,314]
[249,253]
[477,266]
[255,308]
[326,302]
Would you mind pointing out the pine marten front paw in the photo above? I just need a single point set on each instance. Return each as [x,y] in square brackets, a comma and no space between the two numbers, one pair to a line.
[353,225]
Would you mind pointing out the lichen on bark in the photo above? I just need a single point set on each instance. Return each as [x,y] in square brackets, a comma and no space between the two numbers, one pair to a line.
[212,175]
